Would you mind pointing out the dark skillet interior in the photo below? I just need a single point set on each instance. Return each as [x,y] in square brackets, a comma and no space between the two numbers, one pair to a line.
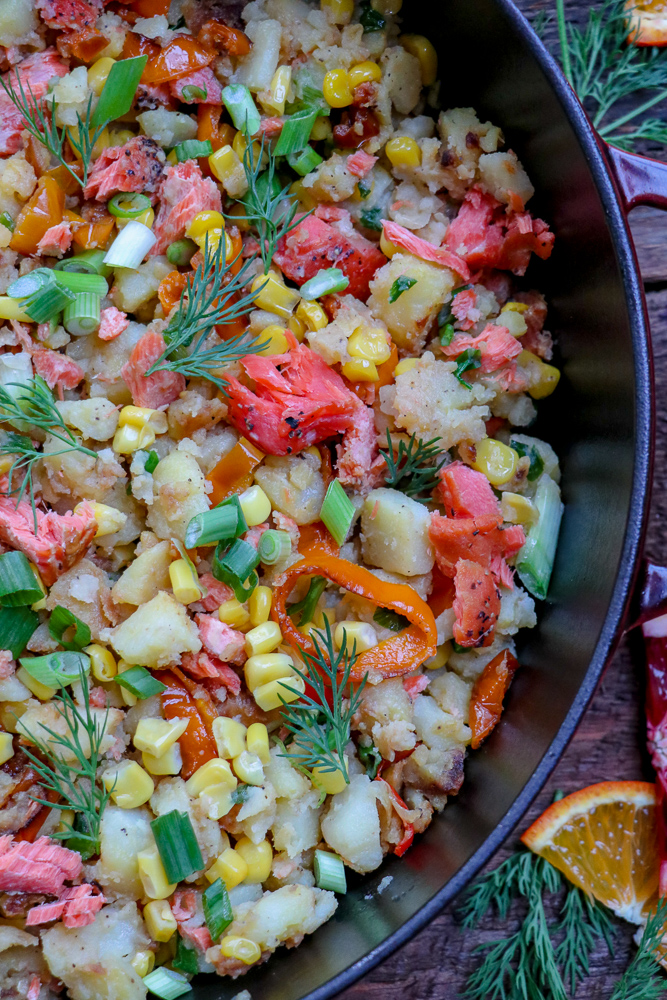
[599,422]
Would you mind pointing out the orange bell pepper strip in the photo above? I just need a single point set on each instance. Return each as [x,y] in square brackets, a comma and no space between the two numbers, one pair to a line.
[386,369]
[197,745]
[182,56]
[64,179]
[233,473]
[170,290]
[92,235]
[315,538]
[137,45]
[486,700]
[219,37]
[45,209]
[402,653]
[209,126]
[151,8]
[84,44]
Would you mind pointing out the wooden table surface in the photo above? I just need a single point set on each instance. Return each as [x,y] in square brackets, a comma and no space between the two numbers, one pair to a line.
[609,743]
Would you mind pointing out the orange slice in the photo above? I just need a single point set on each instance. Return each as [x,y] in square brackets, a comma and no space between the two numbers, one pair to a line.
[604,839]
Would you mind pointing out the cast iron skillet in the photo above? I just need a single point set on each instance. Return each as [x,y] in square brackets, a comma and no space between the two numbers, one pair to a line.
[600,422]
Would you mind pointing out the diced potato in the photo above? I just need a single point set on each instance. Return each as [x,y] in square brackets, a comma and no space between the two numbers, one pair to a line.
[297,824]
[504,176]
[14,368]
[465,138]
[144,577]
[287,782]
[20,959]
[288,912]
[156,634]
[84,590]
[17,183]
[294,485]
[123,833]
[394,533]
[71,94]
[133,287]
[402,75]
[258,813]
[39,718]
[351,825]
[257,68]
[96,418]
[451,692]
[413,311]
[167,128]
[171,794]
[385,714]
[18,20]
[71,473]
[179,487]
[331,180]
[102,361]
[436,728]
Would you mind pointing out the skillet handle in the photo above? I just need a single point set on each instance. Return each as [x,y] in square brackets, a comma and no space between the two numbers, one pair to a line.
[640,179]
[650,597]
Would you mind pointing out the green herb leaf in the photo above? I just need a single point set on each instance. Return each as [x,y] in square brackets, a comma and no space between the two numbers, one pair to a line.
[536,461]
[390,619]
[305,608]
[152,461]
[369,18]
[467,361]
[364,189]
[415,466]
[399,286]
[643,979]
[371,758]
[370,218]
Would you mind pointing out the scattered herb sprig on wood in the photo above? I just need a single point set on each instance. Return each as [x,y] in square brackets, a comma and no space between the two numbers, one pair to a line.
[415,466]
[643,979]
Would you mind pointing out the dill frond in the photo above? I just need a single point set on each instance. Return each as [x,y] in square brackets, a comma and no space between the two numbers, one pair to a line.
[643,978]
[412,469]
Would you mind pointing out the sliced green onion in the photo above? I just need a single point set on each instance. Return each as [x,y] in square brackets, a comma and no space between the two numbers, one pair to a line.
[16,628]
[326,282]
[18,583]
[185,958]
[152,462]
[467,361]
[240,794]
[535,560]
[166,984]
[140,682]
[181,252]
[192,93]
[306,606]
[296,132]
[402,284]
[337,511]
[329,872]
[88,262]
[217,909]
[447,333]
[82,316]
[56,670]
[48,302]
[191,149]
[130,246]
[364,189]
[243,112]
[459,649]
[304,161]
[370,218]
[274,546]
[7,221]
[119,90]
[371,758]
[224,522]
[78,282]
[177,844]
[128,205]
[30,283]
[60,621]
[390,619]
[236,567]
[536,461]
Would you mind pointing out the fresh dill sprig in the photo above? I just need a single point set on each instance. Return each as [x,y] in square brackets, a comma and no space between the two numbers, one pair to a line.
[33,405]
[412,469]
[584,922]
[643,978]
[73,779]
[320,725]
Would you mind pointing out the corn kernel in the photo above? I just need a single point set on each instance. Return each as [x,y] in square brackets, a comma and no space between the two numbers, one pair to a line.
[40,690]
[213,772]
[98,73]
[387,247]
[143,416]
[513,322]
[304,196]
[274,338]
[203,222]
[159,920]
[230,867]
[129,438]
[312,315]
[102,662]
[67,817]
[519,307]
[248,768]
[119,136]
[216,801]
[108,519]
[496,460]
[234,614]
[336,89]
[273,102]
[127,696]
[183,583]
[242,949]
[257,740]
[276,693]
[223,163]
[365,72]
[340,11]
[422,48]
[267,667]
[369,345]
[255,505]
[406,365]
[153,876]
[518,509]
[129,785]
[544,377]
[273,295]
[7,747]
[331,782]
[360,634]
[403,152]
[143,963]
[298,328]
[258,858]
[229,736]
[259,605]
[240,145]
[388,8]
[170,762]
[263,639]
[147,218]
[360,371]
[321,130]
[441,656]
[155,736]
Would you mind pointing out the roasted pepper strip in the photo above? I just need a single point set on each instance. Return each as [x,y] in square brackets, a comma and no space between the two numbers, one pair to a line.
[393,657]
[408,829]
[233,473]
[486,700]
[197,745]
[315,538]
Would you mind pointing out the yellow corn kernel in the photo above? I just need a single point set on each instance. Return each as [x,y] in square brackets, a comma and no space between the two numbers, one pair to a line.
[102,662]
[183,583]
[119,136]
[273,295]
[259,605]
[258,741]
[403,152]
[238,211]
[388,8]
[256,506]
[223,163]
[340,11]
[108,519]
[242,949]
[240,144]
[312,315]
[172,158]
[273,101]
[511,306]
[129,438]
[67,817]
[127,696]
[155,736]
[143,963]
[248,768]
[496,460]
[216,801]
[365,72]
[387,247]
[360,371]
[513,322]
[274,338]
[98,73]
[7,747]
[40,691]
[233,613]
[276,693]
[11,309]
[263,639]
[258,858]
[267,667]
[298,328]
[170,762]
[440,659]
[331,782]
[544,377]
[230,867]
[203,222]
[361,635]
[143,416]
[419,46]
[369,345]
[321,130]
[159,920]
[304,196]
[147,218]
[153,876]
[517,509]
[406,365]
[6,462]
[213,772]
[129,785]
[336,89]
[229,736]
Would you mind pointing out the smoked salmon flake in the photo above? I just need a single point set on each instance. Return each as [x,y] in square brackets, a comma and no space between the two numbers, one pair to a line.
[136,166]
[60,541]
[156,390]
[33,74]
[41,867]
[183,192]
